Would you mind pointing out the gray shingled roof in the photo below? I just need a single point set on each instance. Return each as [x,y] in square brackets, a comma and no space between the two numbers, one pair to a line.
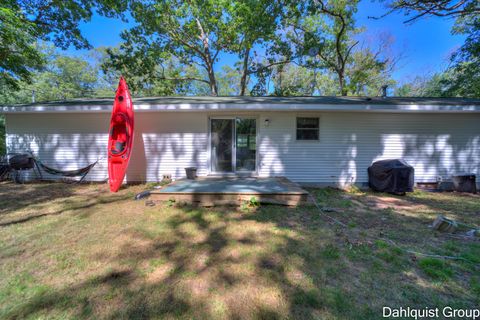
[269,100]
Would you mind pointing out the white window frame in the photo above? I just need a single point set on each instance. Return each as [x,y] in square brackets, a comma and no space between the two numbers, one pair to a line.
[296,128]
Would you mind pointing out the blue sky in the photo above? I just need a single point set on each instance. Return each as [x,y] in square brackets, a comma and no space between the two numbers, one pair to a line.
[425,45]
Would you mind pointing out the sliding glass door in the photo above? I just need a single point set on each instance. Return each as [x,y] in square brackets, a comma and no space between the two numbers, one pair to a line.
[233,145]
[222,144]
[245,144]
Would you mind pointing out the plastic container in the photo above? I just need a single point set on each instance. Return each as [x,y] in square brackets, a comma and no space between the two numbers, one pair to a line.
[191,173]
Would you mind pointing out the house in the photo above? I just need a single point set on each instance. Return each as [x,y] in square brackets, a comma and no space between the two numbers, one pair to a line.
[310,140]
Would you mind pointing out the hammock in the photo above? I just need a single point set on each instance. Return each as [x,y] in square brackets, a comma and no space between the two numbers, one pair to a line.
[67,173]
[82,172]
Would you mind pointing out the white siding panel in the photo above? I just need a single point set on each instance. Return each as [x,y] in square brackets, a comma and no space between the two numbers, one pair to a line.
[437,145]
[172,152]
[165,143]
[61,141]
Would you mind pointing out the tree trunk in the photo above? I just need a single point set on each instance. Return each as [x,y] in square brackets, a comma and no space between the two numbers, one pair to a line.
[213,81]
[208,59]
[341,82]
[243,80]
[313,84]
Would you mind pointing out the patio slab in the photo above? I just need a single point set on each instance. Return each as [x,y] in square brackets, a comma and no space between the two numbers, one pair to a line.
[232,190]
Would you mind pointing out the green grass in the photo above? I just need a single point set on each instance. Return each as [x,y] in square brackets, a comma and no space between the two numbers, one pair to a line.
[475,286]
[79,252]
[436,268]
[391,255]
[311,298]
[330,252]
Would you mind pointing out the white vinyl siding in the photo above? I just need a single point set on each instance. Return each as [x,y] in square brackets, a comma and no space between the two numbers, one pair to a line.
[164,143]
[170,142]
[60,141]
[436,144]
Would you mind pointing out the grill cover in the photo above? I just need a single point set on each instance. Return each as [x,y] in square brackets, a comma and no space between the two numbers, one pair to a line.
[395,176]
[465,183]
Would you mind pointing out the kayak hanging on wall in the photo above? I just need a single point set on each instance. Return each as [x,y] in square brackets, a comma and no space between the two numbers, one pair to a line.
[120,139]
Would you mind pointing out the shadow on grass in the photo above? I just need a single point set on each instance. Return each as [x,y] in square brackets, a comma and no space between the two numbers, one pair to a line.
[462,203]
[444,201]
[69,206]
[43,194]
[270,263]
[18,196]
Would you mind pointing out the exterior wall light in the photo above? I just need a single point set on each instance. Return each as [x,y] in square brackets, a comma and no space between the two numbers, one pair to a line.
[266,122]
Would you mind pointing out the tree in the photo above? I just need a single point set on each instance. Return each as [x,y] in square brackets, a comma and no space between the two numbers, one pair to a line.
[441,8]
[72,77]
[257,23]
[18,56]
[229,83]
[426,86]
[366,74]
[261,87]
[370,68]
[463,78]
[329,43]
[23,22]
[167,78]
[63,77]
[114,64]
[293,80]
[107,80]
[327,37]
[197,33]
[191,32]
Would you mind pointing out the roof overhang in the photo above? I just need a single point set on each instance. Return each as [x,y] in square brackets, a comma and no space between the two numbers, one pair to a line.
[236,107]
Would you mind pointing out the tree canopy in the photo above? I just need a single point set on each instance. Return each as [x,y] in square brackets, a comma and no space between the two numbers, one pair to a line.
[197,33]
[328,36]
[63,77]
[24,22]
[221,47]
[415,9]
[191,32]
[18,54]
[264,36]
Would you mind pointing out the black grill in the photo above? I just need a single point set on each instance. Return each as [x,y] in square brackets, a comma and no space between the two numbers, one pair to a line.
[465,183]
[395,176]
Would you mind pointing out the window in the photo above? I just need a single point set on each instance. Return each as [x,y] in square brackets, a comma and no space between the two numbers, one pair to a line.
[308,128]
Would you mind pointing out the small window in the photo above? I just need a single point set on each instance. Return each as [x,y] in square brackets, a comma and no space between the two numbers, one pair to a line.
[308,128]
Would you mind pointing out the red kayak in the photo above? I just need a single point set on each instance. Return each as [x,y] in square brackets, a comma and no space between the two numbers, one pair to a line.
[120,140]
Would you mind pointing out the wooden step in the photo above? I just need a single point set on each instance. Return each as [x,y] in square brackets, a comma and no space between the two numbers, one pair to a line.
[212,199]
[206,191]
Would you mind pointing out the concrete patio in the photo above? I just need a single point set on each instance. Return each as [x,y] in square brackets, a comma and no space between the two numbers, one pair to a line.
[208,191]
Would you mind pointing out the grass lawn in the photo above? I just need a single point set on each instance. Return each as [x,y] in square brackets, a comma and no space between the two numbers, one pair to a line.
[77,251]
